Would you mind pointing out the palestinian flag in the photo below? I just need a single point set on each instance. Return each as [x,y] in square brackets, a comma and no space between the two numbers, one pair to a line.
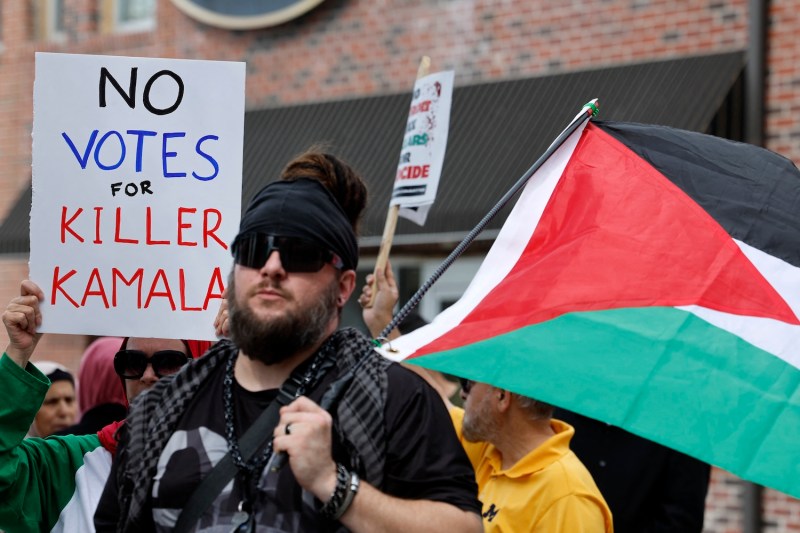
[648,277]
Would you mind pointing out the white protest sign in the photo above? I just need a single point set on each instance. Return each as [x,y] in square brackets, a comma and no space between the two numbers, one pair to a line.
[137,180]
[422,156]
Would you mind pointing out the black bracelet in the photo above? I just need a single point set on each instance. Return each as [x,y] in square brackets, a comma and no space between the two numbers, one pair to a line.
[333,505]
[348,498]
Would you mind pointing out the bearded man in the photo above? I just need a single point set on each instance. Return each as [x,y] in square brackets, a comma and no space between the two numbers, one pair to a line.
[378,455]
[529,478]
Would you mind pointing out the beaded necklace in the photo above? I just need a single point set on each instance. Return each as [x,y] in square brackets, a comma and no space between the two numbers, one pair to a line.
[321,362]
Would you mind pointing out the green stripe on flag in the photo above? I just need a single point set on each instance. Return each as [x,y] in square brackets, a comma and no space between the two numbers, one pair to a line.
[659,372]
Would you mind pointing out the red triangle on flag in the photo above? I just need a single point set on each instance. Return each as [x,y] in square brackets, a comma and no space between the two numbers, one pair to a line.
[617,233]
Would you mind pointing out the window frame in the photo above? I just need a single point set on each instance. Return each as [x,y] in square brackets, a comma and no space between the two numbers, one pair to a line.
[112,18]
[47,15]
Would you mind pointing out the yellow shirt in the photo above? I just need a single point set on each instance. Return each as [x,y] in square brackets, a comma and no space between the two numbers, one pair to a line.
[548,490]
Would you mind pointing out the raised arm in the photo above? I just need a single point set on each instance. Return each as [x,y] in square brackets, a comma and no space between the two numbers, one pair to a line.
[21,318]
[38,476]
[378,315]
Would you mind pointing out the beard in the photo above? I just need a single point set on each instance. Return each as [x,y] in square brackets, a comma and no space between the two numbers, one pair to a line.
[479,424]
[277,339]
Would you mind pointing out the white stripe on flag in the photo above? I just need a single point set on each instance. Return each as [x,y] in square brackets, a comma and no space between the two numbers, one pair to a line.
[778,338]
[504,254]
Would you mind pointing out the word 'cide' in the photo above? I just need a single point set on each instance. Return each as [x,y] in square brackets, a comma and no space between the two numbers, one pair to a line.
[413,172]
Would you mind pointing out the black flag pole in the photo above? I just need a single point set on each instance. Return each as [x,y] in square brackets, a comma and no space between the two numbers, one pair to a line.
[588,111]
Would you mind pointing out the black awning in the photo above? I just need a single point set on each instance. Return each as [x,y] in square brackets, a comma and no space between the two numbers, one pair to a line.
[497,131]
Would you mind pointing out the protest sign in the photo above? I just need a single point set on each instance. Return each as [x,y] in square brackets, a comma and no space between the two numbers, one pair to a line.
[422,155]
[137,169]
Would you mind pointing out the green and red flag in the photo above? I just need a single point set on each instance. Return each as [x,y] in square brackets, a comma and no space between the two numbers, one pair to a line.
[647,277]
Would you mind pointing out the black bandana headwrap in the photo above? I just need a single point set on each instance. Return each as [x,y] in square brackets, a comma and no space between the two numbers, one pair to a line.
[305,209]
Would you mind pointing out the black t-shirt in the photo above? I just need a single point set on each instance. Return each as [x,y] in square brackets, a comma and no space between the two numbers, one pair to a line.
[424,459]
[647,486]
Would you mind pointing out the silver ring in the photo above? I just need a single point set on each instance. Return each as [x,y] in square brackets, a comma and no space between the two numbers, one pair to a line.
[288,429]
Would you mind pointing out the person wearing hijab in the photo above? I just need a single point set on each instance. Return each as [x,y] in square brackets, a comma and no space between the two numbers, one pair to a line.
[101,398]
[59,409]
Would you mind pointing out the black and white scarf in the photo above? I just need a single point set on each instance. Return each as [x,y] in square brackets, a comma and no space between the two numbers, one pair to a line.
[360,390]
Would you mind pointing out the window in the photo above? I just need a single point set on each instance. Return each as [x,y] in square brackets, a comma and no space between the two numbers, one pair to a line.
[128,15]
[50,25]
[139,14]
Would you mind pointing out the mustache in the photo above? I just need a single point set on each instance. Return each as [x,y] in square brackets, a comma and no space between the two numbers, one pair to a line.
[274,286]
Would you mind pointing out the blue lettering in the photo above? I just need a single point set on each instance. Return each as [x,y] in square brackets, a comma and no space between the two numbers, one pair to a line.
[207,157]
[165,154]
[140,135]
[100,145]
[85,159]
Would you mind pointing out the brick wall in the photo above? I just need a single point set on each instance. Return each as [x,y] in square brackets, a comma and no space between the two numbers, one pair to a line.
[781,513]
[351,48]
[783,80]
[723,503]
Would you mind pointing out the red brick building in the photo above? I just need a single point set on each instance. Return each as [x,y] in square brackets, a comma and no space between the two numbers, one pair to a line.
[346,49]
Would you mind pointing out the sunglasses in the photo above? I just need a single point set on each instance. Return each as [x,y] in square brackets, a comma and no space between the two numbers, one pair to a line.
[131,364]
[466,385]
[297,255]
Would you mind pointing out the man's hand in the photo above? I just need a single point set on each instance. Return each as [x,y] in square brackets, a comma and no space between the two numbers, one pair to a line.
[378,315]
[308,445]
[221,322]
[21,318]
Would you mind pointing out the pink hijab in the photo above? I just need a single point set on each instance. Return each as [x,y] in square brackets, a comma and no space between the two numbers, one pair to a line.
[97,381]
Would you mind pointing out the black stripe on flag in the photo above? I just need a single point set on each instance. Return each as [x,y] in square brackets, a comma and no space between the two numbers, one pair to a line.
[751,192]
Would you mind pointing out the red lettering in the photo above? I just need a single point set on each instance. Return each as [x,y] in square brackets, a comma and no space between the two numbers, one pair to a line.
[159,288]
[57,282]
[160,275]
[182,226]
[148,229]
[182,278]
[212,231]
[117,238]
[216,279]
[65,224]
[414,172]
[101,291]
[116,274]
[421,107]
[97,211]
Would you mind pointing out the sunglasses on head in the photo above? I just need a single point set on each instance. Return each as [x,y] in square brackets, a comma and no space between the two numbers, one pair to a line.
[466,385]
[297,255]
[131,364]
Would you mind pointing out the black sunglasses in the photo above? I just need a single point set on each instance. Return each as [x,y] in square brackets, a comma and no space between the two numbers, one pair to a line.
[297,255]
[466,385]
[131,364]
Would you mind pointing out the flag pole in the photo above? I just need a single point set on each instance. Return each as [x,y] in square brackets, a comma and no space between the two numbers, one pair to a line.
[394,210]
[588,111]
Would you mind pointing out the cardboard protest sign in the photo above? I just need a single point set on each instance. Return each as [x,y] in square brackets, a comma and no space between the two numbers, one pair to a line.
[137,169]
[422,156]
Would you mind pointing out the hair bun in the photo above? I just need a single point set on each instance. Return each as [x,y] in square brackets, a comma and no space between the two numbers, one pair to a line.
[341,180]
